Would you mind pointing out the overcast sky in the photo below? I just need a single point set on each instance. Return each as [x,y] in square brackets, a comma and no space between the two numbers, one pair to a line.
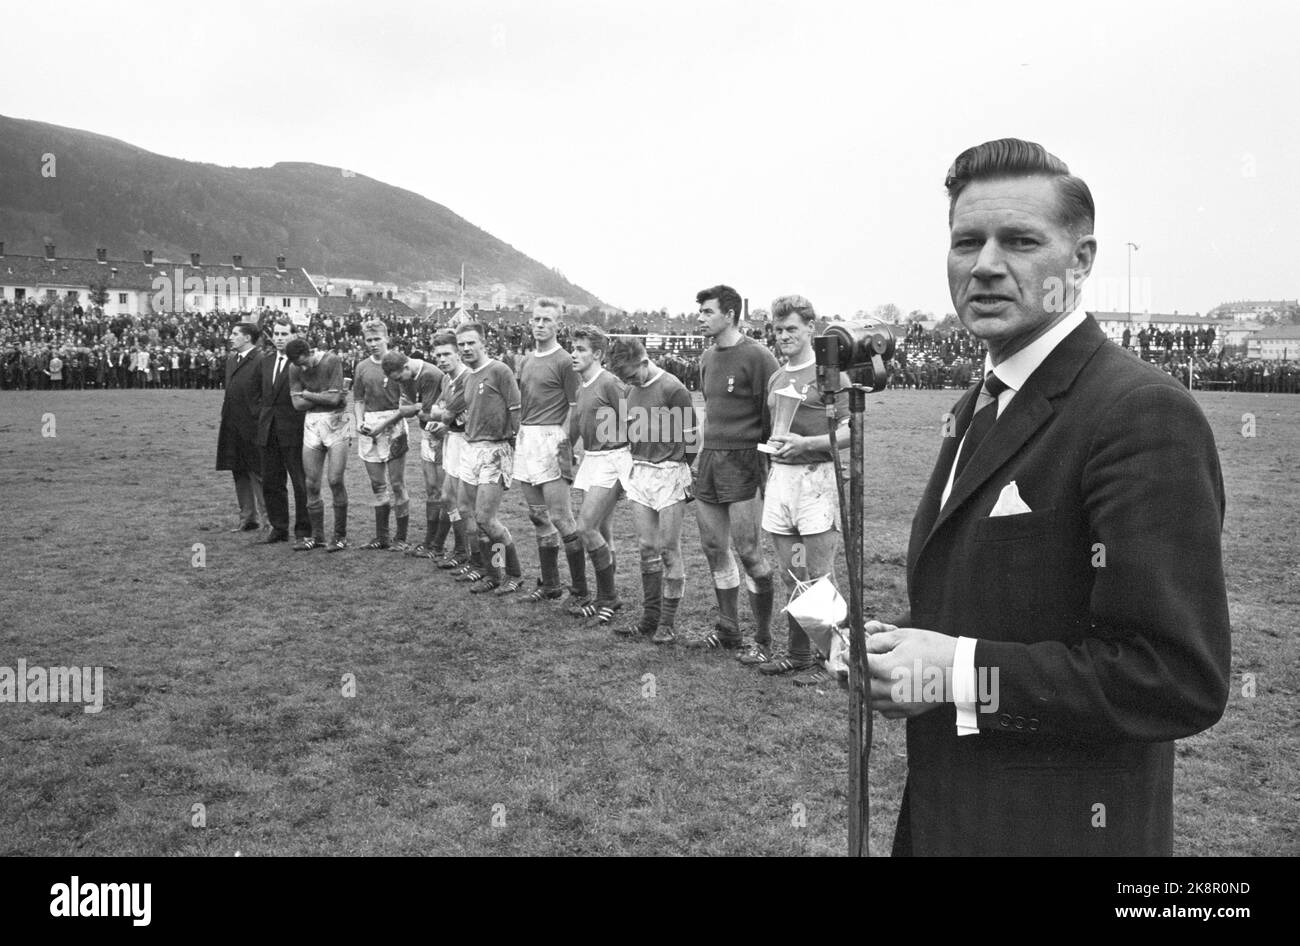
[648,149]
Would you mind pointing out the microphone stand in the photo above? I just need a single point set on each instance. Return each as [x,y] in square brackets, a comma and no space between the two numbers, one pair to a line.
[851,513]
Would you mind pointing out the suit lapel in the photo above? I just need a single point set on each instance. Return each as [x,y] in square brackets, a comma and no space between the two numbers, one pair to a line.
[1027,412]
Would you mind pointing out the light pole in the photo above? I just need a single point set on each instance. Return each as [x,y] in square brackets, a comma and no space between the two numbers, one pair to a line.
[1131,248]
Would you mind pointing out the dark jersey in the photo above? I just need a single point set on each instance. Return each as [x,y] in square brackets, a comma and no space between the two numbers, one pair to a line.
[598,402]
[734,381]
[491,393]
[372,389]
[547,385]
[325,375]
[659,419]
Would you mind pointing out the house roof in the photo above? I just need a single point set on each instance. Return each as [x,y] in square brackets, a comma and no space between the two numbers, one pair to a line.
[343,306]
[1278,333]
[75,273]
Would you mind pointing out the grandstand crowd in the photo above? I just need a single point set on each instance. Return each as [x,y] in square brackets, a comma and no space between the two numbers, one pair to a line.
[57,346]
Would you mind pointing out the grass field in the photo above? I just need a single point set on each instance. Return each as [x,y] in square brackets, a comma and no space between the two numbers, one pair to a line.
[224,683]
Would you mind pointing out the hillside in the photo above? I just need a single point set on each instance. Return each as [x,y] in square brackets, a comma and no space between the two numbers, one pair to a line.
[107,193]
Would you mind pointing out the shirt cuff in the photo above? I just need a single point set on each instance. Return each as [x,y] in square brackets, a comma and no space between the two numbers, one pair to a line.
[964,694]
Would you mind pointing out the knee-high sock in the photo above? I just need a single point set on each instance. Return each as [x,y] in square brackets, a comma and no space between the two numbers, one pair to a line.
[548,552]
[799,647]
[652,586]
[674,588]
[459,547]
[573,551]
[512,561]
[485,552]
[381,520]
[760,605]
[440,530]
[726,586]
[602,564]
[317,516]
[432,513]
[341,520]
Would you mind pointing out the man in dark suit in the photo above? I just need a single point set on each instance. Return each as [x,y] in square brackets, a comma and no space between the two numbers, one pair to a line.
[279,437]
[237,448]
[1068,614]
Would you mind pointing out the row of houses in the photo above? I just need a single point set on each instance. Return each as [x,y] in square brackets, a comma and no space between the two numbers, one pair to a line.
[148,285]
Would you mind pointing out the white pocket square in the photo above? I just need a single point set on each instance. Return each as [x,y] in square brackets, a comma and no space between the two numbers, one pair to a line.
[1009,502]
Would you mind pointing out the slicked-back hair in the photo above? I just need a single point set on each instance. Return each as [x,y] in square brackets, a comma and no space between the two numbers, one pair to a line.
[284,320]
[595,338]
[295,348]
[728,300]
[444,338]
[624,351]
[475,327]
[249,329]
[1012,157]
[793,305]
[393,361]
[374,327]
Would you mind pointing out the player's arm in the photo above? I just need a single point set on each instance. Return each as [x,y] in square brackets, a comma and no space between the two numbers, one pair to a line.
[680,401]
[510,394]
[333,395]
[359,402]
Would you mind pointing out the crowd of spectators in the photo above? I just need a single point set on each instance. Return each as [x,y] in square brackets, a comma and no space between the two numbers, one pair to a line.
[56,345]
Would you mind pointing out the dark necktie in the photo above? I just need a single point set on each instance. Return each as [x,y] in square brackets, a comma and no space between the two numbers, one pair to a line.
[275,375]
[981,424]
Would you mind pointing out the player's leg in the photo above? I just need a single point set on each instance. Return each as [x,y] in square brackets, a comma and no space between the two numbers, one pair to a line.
[476,566]
[548,540]
[451,490]
[648,538]
[747,539]
[674,583]
[598,504]
[375,470]
[559,506]
[433,502]
[314,456]
[336,464]
[714,520]
[495,542]
[401,499]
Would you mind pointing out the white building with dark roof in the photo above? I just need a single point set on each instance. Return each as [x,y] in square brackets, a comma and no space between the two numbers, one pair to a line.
[1275,343]
[148,285]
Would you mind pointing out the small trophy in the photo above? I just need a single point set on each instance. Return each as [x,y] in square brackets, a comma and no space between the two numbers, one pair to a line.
[788,400]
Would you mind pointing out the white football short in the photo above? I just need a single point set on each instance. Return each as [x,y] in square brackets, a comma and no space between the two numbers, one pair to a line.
[390,445]
[657,485]
[453,446]
[801,499]
[322,430]
[542,454]
[604,468]
[483,462]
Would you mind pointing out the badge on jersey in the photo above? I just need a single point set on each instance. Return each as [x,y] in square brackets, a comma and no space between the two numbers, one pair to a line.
[731,383]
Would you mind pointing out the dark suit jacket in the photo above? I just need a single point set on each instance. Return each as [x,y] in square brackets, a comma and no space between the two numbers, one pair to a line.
[278,409]
[1102,662]
[240,408]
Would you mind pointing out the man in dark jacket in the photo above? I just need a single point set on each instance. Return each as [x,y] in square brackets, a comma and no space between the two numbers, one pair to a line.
[279,438]
[1064,572]
[237,448]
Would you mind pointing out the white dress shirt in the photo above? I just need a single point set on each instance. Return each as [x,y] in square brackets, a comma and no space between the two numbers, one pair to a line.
[1014,371]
